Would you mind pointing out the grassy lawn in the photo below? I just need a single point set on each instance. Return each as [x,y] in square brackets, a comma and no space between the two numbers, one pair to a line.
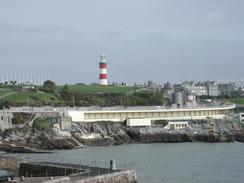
[45,97]
[89,89]
[31,97]
[4,91]
[237,100]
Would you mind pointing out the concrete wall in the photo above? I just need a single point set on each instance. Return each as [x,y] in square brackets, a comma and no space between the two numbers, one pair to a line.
[66,123]
[128,176]
[118,114]
[42,170]
[59,132]
[5,120]
[177,125]
[77,116]
[59,180]
[138,122]
[241,117]
[72,175]
[157,114]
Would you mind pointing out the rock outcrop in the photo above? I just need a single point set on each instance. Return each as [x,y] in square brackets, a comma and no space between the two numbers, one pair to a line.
[110,133]
[32,139]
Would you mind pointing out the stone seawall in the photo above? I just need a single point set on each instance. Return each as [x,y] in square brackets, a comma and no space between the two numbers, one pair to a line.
[128,176]
[10,163]
[46,170]
[67,173]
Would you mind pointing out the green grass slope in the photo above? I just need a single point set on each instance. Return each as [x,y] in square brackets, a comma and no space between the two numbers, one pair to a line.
[32,98]
[93,89]
[82,95]
[4,91]
[237,100]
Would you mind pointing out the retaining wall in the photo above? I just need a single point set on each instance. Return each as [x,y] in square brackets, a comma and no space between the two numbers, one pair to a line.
[40,170]
[128,176]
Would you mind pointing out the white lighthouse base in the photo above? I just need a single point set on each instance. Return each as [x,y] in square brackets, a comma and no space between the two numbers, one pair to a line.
[103,82]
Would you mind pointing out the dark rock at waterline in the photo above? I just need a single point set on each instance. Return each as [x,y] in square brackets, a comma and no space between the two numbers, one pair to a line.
[117,133]
[24,140]
[58,144]
[111,133]
[156,135]
[239,137]
[98,142]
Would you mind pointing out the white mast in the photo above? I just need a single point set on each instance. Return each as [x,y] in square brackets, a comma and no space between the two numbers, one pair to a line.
[3,77]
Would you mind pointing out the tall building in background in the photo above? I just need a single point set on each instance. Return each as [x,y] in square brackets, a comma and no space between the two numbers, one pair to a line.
[103,80]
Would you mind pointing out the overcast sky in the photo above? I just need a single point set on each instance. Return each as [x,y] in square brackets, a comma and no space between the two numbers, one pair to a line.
[159,40]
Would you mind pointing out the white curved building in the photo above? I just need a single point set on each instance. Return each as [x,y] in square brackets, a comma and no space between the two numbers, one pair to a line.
[135,116]
[119,114]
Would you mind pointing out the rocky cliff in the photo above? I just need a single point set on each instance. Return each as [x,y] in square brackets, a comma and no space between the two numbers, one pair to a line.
[109,133]
[35,139]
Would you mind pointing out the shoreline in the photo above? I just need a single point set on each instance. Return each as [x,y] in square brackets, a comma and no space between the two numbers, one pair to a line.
[140,139]
[27,140]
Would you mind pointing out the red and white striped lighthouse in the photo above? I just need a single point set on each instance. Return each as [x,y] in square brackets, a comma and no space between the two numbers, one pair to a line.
[103,80]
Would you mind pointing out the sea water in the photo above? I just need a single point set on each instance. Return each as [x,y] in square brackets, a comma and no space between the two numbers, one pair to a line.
[165,163]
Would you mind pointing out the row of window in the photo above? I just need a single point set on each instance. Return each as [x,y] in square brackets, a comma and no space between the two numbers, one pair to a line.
[181,125]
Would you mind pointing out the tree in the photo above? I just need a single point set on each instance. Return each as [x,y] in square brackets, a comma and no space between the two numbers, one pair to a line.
[65,93]
[157,98]
[42,124]
[65,88]
[49,85]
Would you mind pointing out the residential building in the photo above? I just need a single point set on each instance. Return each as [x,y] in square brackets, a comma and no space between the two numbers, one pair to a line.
[227,89]
[208,88]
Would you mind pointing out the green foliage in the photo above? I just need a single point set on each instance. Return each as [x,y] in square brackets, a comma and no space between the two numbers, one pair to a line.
[20,118]
[32,98]
[144,98]
[4,91]
[84,95]
[42,124]
[65,88]
[157,98]
[65,93]
[49,85]
[96,89]
[237,100]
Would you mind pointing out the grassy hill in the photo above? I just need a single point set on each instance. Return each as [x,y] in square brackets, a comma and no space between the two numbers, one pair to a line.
[85,95]
[32,98]
[4,91]
[95,89]
[81,95]
[237,100]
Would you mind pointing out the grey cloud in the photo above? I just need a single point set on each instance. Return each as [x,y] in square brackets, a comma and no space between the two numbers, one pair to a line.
[160,39]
